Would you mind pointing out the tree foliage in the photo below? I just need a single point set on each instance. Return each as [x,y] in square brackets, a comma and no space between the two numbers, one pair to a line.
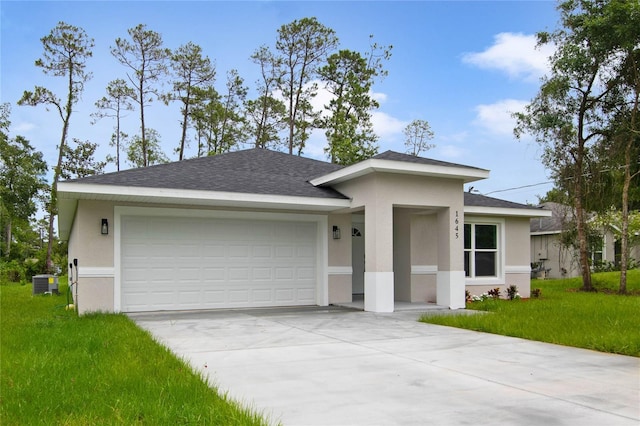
[113,105]
[349,77]
[266,115]
[302,46]
[66,50]
[154,153]
[190,71]
[80,162]
[218,118]
[567,115]
[22,181]
[147,61]
[417,135]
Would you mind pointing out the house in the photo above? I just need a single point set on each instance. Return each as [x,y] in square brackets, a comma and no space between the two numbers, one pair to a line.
[551,258]
[258,228]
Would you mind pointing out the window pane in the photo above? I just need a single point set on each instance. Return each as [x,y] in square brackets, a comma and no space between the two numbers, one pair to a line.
[486,237]
[467,236]
[467,272]
[485,264]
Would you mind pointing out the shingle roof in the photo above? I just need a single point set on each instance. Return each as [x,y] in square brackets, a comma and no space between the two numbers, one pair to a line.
[396,156]
[255,171]
[477,200]
[560,215]
[260,171]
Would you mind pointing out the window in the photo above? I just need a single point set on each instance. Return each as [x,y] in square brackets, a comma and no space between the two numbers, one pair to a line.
[596,244]
[481,251]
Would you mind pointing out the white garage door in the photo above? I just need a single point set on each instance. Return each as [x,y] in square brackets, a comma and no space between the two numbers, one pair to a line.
[170,263]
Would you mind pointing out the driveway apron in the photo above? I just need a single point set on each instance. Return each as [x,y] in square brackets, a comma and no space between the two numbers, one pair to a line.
[330,366]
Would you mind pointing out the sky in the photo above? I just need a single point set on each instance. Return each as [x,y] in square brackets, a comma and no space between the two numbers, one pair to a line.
[463,66]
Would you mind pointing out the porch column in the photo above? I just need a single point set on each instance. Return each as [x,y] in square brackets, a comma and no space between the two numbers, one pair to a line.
[378,276]
[451,278]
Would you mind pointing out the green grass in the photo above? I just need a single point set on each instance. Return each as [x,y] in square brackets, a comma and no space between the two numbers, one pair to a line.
[602,321]
[58,368]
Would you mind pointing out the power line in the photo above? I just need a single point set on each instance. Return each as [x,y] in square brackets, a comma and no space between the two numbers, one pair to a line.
[519,187]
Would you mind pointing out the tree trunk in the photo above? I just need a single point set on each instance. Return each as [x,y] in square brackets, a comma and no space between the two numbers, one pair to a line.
[580,213]
[56,172]
[624,243]
[7,251]
[142,128]
[185,117]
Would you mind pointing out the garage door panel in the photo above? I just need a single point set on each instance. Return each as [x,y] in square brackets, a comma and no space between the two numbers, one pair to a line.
[261,274]
[306,295]
[200,263]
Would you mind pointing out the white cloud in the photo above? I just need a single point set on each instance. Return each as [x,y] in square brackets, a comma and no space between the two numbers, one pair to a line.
[516,55]
[386,126]
[497,118]
[22,128]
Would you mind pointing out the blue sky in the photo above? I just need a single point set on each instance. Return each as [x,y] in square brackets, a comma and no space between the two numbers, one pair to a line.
[462,66]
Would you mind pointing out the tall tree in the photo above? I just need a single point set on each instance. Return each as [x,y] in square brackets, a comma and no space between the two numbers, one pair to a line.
[417,135]
[191,71]
[219,119]
[154,150]
[617,24]
[266,115]
[22,178]
[117,100]
[573,114]
[349,77]
[66,50]
[302,47]
[147,61]
[566,115]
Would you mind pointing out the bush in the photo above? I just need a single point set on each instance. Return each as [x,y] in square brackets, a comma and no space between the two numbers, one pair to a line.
[512,292]
[11,272]
[494,293]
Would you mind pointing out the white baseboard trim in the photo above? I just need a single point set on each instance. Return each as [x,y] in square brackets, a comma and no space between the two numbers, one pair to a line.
[517,269]
[424,269]
[340,270]
[95,272]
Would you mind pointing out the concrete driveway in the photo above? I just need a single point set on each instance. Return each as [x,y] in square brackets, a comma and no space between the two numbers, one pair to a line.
[319,366]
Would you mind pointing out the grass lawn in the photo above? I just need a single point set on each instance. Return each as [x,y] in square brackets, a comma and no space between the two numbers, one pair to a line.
[602,321]
[58,368]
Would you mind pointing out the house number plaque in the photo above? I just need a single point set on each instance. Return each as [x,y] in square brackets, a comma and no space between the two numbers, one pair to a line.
[456,222]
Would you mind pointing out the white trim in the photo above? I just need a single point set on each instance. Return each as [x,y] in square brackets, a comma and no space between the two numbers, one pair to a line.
[543,233]
[322,261]
[322,280]
[517,269]
[378,292]
[74,190]
[339,270]
[96,272]
[502,244]
[424,269]
[506,211]
[468,174]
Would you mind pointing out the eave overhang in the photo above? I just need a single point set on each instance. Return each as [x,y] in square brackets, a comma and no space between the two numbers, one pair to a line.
[466,174]
[504,211]
[70,192]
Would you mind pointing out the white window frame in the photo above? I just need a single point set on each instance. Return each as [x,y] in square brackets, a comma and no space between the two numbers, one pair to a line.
[499,278]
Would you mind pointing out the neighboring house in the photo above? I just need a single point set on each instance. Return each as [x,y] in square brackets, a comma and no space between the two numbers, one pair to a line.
[550,258]
[259,228]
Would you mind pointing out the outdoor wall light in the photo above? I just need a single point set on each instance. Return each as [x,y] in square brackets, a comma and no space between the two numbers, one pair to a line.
[104,228]
[336,232]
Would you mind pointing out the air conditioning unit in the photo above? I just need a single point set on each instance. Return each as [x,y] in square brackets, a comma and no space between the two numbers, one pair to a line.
[44,283]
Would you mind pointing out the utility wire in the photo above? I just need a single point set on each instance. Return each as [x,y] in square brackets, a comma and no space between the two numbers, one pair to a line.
[519,187]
